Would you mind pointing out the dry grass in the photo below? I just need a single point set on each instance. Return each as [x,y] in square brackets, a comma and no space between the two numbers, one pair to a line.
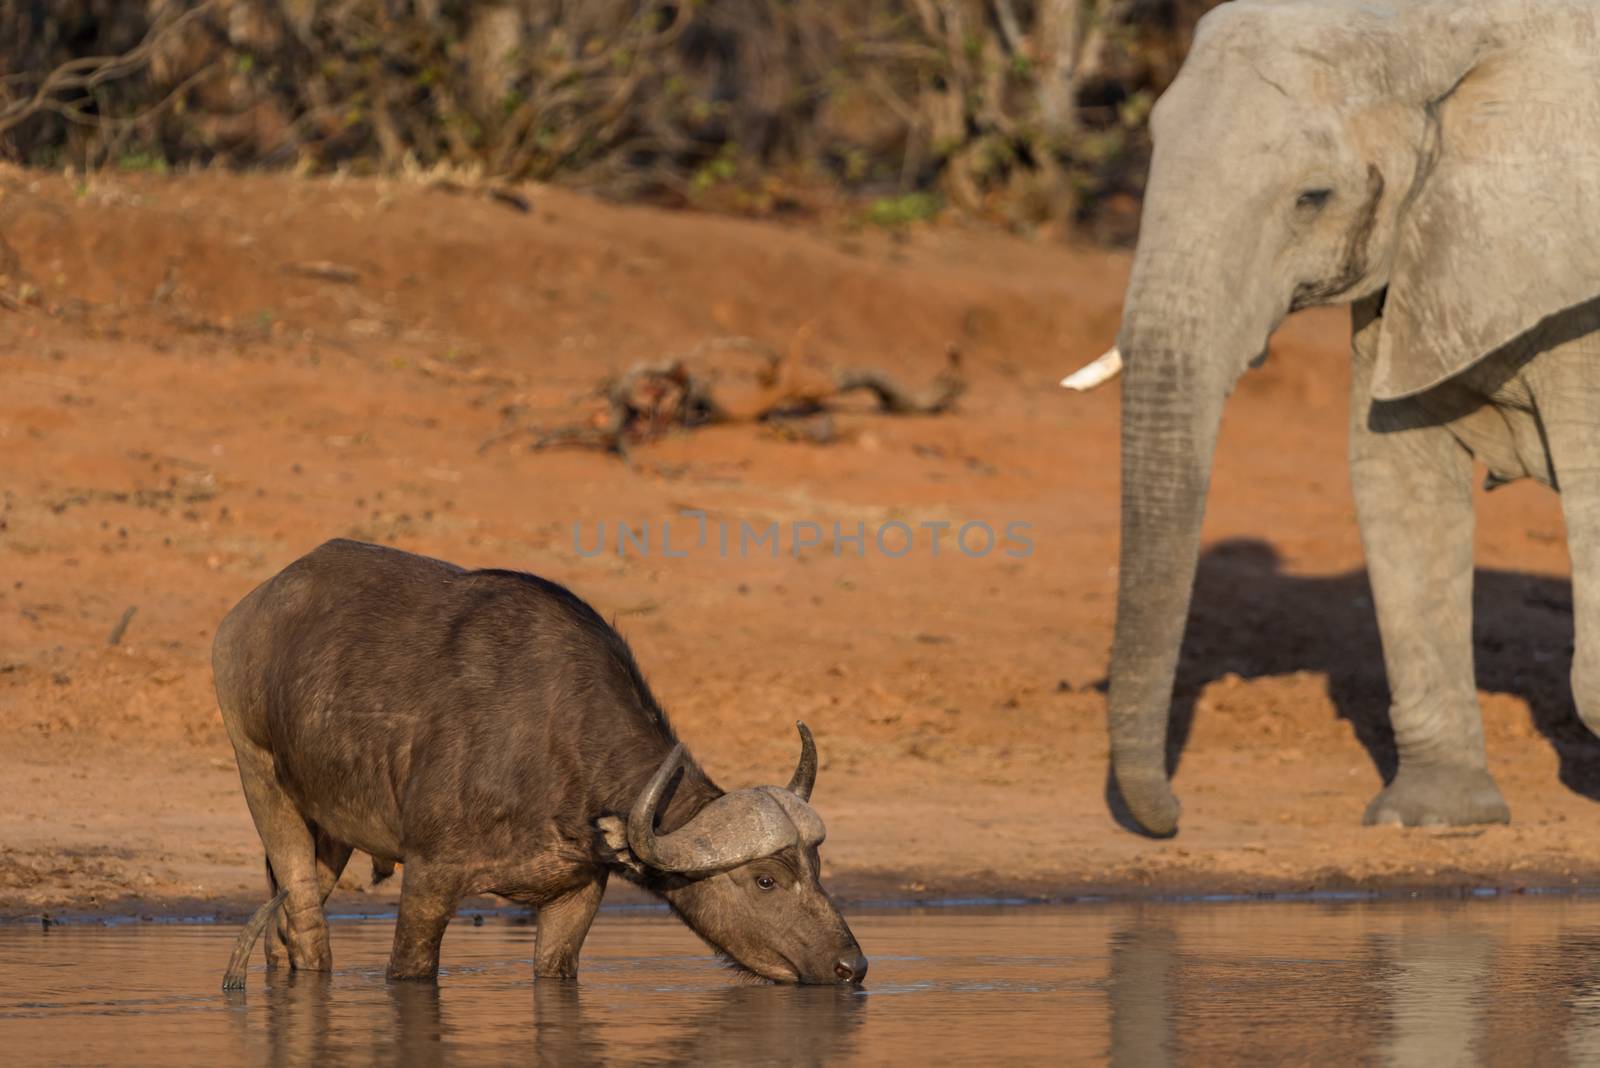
[1027,110]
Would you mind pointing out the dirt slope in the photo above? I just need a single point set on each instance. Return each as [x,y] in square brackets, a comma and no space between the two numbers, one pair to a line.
[204,376]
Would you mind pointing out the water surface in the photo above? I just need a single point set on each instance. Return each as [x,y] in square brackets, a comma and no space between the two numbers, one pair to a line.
[1423,983]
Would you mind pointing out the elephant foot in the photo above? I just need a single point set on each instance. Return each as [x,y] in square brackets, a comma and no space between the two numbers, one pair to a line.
[1438,796]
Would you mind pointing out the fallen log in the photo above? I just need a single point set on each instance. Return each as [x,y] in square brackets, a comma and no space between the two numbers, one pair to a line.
[650,400]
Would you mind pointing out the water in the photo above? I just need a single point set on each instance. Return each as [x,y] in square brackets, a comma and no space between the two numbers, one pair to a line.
[1413,983]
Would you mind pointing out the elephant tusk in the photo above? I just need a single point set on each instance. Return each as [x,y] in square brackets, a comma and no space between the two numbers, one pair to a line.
[1096,372]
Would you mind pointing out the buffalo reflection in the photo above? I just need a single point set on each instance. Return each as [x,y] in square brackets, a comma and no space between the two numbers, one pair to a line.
[798,1026]
[312,1019]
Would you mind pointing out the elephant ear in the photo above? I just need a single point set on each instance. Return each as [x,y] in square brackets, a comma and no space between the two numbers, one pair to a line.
[1503,227]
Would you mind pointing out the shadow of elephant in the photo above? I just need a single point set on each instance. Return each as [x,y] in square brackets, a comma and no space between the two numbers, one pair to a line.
[1250,618]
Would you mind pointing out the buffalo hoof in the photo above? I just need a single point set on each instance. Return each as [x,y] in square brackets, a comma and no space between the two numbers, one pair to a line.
[1438,796]
[309,951]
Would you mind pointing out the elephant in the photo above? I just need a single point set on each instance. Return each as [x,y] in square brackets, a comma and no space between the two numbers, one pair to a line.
[1435,164]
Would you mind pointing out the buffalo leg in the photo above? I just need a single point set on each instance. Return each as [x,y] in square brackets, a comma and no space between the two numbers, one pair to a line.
[332,857]
[563,925]
[292,857]
[428,898]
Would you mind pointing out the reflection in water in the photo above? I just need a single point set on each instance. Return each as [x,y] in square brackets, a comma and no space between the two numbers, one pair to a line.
[299,1019]
[1583,1037]
[810,1026]
[1143,954]
[800,1027]
[560,1036]
[312,1019]
[1456,983]
[1435,982]
[417,1035]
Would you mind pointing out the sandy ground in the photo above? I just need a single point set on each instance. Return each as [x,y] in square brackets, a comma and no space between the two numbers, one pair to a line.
[205,376]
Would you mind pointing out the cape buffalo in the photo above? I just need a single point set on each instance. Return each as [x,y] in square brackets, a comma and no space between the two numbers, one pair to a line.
[489,730]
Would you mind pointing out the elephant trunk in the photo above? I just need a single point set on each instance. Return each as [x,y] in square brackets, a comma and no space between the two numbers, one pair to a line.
[1172,402]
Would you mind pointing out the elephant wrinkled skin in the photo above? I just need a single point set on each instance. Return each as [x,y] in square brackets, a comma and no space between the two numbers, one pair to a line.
[1431,163]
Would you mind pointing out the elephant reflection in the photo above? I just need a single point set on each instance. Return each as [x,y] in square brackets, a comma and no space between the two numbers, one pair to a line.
[1143,958]
[1429,984]
[1174,998]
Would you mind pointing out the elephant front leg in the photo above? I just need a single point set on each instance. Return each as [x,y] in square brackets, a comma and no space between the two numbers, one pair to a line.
[563,925]
[1413,492]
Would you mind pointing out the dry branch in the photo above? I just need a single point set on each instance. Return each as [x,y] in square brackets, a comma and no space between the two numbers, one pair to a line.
[651,400]
[938,397]
[69,89]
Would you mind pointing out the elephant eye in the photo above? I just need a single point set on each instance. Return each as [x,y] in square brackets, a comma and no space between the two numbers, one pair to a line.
[1312,199]
[766,882]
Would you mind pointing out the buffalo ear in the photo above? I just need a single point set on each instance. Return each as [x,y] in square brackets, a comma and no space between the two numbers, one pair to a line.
[611,834]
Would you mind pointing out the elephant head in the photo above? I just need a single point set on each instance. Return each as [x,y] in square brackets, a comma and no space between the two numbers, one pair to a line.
[1313,151]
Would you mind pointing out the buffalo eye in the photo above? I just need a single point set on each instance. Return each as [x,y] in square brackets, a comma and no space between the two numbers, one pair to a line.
[1312,199]
[766,882]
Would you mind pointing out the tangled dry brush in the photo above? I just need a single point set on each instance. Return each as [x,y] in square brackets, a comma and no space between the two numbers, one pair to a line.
[1024,109]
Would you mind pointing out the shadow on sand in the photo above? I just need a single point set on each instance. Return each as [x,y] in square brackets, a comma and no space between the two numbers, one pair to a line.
[1251,619]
